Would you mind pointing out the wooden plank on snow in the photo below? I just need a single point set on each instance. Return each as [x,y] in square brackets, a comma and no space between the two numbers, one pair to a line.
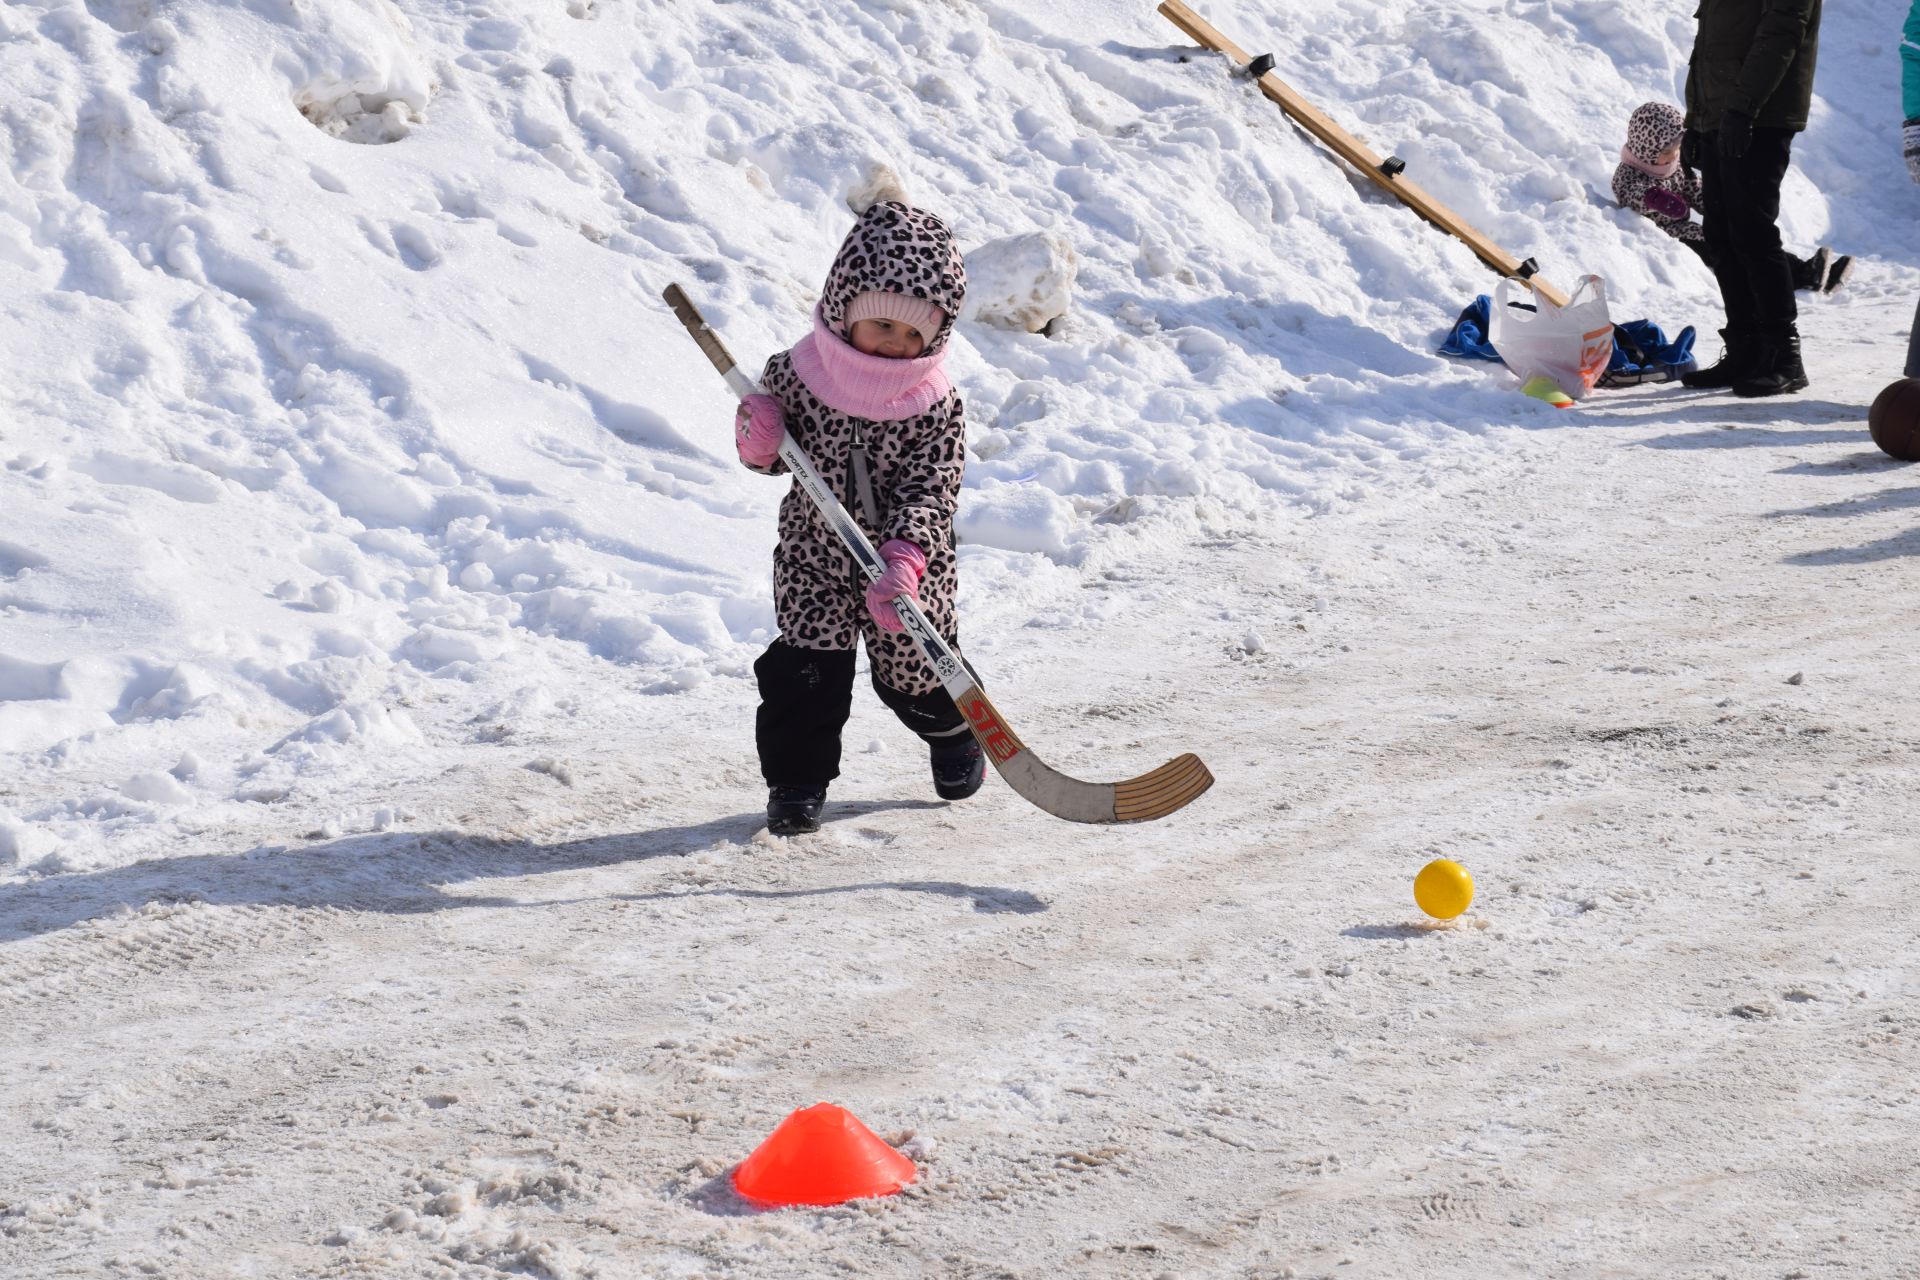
[1357,153]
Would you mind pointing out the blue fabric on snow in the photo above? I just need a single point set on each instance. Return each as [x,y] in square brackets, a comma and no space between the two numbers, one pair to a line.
[1641,353]
[1640,350]
[1468,338]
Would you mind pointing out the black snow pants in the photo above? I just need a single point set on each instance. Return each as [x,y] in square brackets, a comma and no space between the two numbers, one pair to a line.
[1740,217]
[1913,346]
[1805,271]
[806,696]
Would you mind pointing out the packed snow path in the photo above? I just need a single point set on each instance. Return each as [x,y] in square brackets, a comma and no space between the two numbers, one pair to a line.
[1645,669]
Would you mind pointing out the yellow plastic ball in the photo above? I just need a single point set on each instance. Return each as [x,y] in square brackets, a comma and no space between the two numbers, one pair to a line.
[1443,888]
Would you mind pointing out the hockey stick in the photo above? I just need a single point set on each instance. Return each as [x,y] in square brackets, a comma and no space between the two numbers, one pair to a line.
[1389,174]
[1171,787]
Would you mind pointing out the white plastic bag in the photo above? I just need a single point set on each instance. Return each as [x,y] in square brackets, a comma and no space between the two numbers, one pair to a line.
[1570,344]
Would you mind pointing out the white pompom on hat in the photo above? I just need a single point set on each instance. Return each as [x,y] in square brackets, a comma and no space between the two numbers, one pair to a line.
[883,304]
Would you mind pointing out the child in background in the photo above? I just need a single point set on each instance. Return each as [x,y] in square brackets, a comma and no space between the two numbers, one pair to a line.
[1650,181]
[866,397]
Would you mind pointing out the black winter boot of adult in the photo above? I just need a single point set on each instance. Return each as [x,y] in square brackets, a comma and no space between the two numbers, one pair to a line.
[1777,371]
[1735,362]
[794,811]
[959,768]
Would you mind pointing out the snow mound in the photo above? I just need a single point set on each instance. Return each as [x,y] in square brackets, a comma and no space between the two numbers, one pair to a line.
[1021,282]
[357,72]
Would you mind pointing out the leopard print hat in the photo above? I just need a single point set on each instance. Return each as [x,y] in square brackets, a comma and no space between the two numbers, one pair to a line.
[1653,127]
[897,249]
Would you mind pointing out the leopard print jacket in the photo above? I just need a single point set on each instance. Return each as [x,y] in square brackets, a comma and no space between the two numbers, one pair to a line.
[1654,127]
[917,463]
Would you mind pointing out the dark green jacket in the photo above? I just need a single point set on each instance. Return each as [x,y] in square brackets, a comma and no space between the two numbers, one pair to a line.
[1754,56]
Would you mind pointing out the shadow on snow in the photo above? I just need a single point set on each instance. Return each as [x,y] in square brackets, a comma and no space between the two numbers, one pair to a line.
[407,874]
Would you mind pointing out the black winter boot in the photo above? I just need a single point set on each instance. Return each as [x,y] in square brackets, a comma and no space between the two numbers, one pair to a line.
[1735,362]
[958,769]
[1811,273]
[958,765]
[1776,369]
[794,811]
[1837,273]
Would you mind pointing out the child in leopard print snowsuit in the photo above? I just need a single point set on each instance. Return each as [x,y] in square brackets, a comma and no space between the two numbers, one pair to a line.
[865,395]
[1651,181]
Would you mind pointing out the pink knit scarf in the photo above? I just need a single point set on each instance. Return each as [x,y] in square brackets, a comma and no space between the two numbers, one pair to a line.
[1651,170]
[870,387]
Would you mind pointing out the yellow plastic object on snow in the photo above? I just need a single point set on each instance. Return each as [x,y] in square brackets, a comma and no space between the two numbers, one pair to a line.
[1544,388]
[1443,888]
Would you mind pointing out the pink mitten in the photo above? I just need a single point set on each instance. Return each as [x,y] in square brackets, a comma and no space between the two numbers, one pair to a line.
[758,426]
[906,564]
[1668,204]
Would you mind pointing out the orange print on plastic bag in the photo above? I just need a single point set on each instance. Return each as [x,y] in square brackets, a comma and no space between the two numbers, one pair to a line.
[1596,353]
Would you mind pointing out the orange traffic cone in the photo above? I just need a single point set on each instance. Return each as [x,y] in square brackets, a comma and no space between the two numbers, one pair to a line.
[821,1155]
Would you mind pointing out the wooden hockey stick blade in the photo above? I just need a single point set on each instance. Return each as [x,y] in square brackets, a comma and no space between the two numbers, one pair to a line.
[1155,794]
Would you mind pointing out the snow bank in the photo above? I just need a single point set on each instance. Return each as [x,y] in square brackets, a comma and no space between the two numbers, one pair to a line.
[313,446]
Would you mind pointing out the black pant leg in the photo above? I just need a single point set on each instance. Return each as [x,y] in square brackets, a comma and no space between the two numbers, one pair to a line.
[805,698]
[1718,199]
[1913,346]
[1743,224]
[1805,272]
[1701,248]
[931,715]
[1766,168]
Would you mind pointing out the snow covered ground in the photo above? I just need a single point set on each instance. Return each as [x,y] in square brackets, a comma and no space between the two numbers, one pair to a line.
[380,891]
